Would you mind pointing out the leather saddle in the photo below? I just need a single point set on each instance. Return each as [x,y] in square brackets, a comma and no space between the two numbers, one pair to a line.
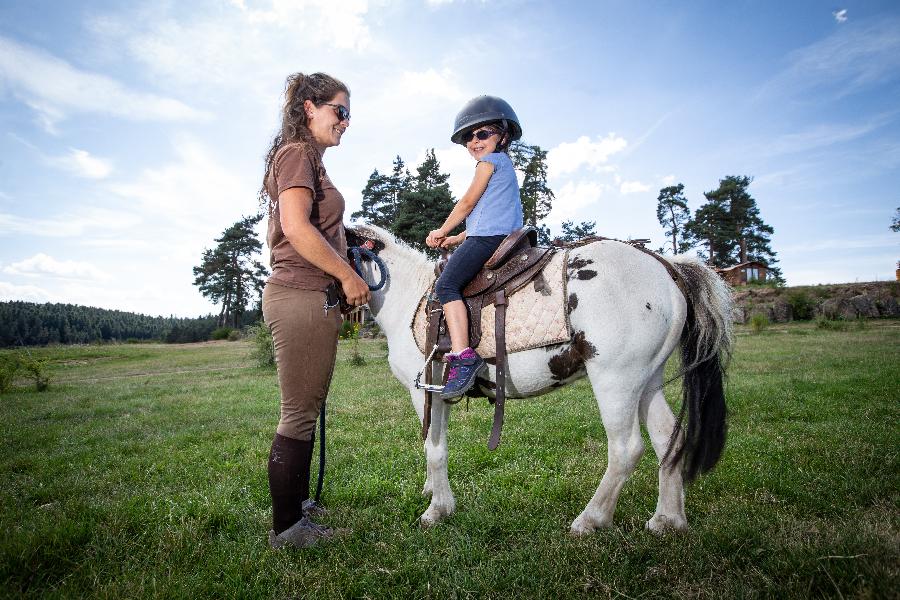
[516,262]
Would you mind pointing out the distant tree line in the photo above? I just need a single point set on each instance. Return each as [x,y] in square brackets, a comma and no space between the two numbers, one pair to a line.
[30,324]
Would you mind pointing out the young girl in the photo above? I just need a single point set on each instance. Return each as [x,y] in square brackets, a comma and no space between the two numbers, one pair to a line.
[491,209]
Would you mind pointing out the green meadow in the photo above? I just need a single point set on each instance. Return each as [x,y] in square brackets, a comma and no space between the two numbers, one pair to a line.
[141,473]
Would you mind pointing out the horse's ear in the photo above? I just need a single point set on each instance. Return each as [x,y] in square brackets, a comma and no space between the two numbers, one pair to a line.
[353,238]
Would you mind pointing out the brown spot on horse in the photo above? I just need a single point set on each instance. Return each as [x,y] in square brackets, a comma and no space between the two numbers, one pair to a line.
[585,274]
[572,303]
[571,360]
[579,263]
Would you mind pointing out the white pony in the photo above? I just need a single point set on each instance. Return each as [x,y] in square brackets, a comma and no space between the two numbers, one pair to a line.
[627,315]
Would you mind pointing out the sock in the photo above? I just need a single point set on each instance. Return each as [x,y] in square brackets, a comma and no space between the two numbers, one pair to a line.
[289,462]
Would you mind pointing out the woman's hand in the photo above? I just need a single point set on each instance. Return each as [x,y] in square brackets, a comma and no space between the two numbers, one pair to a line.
[453,240]
[435,238]
[355,289]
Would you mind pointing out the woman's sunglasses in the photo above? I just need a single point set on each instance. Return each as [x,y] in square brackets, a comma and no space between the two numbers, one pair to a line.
[343,114]
[481,134]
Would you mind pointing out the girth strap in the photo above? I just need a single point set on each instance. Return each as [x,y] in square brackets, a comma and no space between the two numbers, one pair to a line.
[500,337]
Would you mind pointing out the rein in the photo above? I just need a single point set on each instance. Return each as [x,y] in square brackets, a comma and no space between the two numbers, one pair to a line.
[365,249]
[358,252]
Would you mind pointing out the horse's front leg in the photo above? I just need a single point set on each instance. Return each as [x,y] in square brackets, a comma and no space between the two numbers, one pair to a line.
[437,482]
[418,400]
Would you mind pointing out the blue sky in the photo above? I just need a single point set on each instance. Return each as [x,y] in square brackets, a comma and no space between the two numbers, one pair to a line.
[133,133]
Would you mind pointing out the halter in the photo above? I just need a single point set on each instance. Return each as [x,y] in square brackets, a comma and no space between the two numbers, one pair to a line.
[365,249]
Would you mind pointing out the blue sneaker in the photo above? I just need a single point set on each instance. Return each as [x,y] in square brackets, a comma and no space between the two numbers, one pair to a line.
[464,368]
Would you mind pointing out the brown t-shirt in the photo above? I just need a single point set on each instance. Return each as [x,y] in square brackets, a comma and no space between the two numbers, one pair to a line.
[298,165]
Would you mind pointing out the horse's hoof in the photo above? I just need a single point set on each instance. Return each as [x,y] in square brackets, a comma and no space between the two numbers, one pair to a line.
[663,523]
[429,518]
[585,525]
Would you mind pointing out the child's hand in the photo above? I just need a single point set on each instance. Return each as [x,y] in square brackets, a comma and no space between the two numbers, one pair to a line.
[435,238]
[452,240]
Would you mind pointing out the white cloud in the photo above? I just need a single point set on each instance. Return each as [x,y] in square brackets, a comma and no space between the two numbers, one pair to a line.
[185,204]
[53,87]
[853,58]
[342,27]
[246,46]
[633,187]
[195,192]
[83,164]
[437,3]
[43,265]
[85,220]
[844,243]
[840,15]
[568,157]
[430,95]
[668,180]
[573,198]
[442,84]
[25,293]
[455,161]
[818,136]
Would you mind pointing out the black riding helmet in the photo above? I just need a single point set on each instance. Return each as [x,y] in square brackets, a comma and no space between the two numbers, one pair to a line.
[485,109]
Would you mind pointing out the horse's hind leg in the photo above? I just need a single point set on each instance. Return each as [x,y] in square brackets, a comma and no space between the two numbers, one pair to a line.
[619,410]
[660,422]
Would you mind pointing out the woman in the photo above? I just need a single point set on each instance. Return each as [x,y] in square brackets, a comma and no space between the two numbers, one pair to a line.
[308,258]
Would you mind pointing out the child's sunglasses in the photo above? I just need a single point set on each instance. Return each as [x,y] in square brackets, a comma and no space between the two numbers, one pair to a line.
[343,114]
[481,134]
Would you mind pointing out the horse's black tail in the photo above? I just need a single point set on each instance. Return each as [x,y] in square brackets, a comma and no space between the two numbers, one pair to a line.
[706,343]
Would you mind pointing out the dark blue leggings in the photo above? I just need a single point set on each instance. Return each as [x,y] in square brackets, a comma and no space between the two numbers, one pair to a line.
[464,265]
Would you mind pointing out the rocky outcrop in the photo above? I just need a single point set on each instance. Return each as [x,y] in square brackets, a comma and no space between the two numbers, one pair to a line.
[841,301]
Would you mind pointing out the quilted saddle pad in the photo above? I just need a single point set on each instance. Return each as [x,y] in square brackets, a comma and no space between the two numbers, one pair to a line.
[533,318]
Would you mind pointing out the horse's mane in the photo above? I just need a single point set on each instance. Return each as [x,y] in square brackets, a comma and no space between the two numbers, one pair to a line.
[390,241]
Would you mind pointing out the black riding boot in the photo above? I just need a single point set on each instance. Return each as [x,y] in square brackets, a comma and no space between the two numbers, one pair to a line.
[289,463]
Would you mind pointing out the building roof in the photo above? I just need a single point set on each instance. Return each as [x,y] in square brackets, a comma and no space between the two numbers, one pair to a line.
[749,263]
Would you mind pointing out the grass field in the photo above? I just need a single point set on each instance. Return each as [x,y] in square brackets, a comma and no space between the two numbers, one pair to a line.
[142,473]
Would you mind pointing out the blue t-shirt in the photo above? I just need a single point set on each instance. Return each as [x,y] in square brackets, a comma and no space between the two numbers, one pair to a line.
[499,211]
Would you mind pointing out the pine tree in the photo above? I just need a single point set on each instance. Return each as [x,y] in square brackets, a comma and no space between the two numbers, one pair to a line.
[229,273]
[375,206]
[573,233]
[381,195]
[730,226]
[673,214]
[424,205]
[710,228]
[895,224]
[537,197]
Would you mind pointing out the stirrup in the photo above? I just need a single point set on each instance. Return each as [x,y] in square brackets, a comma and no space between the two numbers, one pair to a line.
[426,386]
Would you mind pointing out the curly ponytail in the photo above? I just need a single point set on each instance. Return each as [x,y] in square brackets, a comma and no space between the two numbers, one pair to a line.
[317,88]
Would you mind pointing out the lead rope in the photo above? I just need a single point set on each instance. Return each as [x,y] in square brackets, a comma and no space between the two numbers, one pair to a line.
[358,252]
